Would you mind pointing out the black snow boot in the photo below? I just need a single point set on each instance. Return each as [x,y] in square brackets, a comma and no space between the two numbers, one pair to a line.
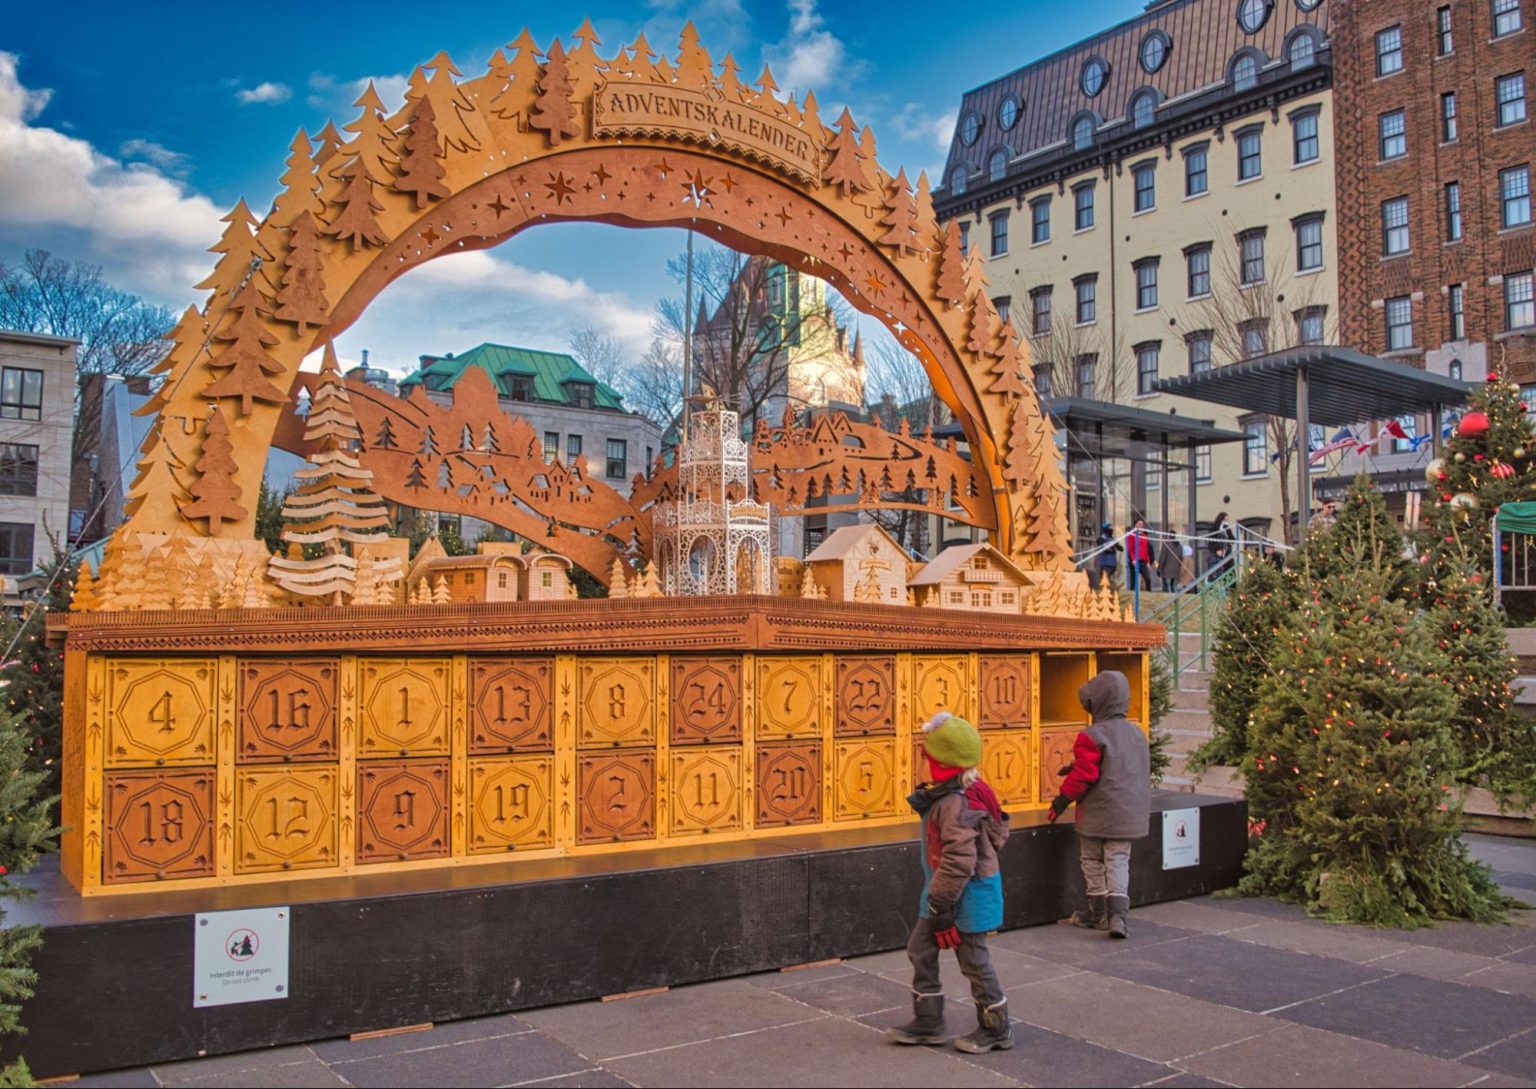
[992,1031]
[1119,908]
[1093,917]
[927,1024]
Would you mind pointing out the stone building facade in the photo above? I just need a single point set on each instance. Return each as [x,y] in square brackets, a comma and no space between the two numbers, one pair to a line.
[37,398]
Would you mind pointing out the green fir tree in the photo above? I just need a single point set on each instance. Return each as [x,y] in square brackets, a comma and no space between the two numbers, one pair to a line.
[1247,638]
[33,675]
[1352,766]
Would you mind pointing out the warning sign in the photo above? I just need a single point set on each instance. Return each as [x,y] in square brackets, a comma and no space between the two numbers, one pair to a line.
[240,956]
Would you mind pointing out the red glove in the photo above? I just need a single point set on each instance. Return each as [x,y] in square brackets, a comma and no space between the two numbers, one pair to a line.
[942,921]
[1059,805]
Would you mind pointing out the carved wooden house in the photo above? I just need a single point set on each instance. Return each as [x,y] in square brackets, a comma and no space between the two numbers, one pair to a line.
[546,577]
[860,563]
[498,571]
[974,577]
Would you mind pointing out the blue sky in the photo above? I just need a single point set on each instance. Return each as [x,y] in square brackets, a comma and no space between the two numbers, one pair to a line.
[127,129]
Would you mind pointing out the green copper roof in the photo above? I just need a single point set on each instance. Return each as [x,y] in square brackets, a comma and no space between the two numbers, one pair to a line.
[551,373]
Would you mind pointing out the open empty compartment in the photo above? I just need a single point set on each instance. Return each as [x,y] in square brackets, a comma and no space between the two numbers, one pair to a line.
[1061,675]
[1134,665]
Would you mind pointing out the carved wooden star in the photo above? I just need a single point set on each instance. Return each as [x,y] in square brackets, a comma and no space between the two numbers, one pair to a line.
[500,205]
[559,187]
[845,251]
[431,236]
[601,174]
[875,284]
[729,181]
[783,214]
[663,166]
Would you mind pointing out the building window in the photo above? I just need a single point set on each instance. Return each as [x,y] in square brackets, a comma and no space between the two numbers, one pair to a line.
[1458,305]
[1448,130]
[1198,259]
[1082,198]
[551,445]
[957,179]
[1453,212]
[1087,367]
[1252,14]
[1506,17]
[1255,448]
[1255,335]
[1040,311]
[1394,135]
[1043,380]
[1146,187]
[1304,137]
[1309,243]
[1146,368]
[1040,221]
[18,469]
[21,397]
[1409,425]
[1008,113]
[1309,324]
[1250,245]
[970,128]
[572,447]
[1520,301]
[1303,52]
[1399,323]
[1087,298]
[16,548]
[1454,370]
[521,387]
[581,394]
[1394,226]
[1199,352]
[618,459]
[1095,72]
[1146,283]
[1389,50]
[1154,51]
[1196,180]
[1003,304]
[1202,465]
[1515,196]
[1082,134]
[1250,155]
[1142,110]
[997,165]
[1443,36]
[1245,72]
[965,238]
[999,223]
[1510,92]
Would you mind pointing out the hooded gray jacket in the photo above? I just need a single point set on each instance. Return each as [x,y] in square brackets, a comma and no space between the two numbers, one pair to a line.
[1111,776]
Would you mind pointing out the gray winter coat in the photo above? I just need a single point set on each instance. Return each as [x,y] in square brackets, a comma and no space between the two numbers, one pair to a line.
[1111,777]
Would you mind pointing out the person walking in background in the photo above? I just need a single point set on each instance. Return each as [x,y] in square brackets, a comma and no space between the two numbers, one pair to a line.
[1110,779]
[1138,557]
[1220,543]
[1106,561]
[1170,564]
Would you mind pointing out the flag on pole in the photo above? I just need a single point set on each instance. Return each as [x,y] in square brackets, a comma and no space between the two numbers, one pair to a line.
[1341,439]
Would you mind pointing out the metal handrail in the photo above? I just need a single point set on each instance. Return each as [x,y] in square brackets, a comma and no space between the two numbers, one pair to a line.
[1196,608]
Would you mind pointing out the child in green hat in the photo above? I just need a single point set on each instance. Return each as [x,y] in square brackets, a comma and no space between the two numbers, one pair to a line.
[963,829]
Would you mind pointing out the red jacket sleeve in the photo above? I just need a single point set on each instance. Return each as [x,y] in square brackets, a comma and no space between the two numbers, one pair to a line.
[1085,768]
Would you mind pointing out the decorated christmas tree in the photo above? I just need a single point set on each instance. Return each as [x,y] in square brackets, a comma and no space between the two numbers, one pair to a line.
[34,673]
[1352,757]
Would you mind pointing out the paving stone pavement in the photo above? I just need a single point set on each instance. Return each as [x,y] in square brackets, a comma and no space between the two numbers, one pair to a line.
[1207,992]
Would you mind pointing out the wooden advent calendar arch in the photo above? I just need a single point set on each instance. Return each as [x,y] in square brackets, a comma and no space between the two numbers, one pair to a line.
[546,135]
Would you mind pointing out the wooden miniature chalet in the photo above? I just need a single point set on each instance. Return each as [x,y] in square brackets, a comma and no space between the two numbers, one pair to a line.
[860,563]
[498,571]
[973,577]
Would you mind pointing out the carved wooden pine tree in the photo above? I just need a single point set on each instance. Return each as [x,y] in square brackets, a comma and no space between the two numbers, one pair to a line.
[843,166]
[730,80]
[553,110]
[514,101]
[214,492]
[355,222]
[245,360]
[900,219]
[584,60]
[373,140]
[1007,378]
[241,258]
[330,144]
[157,492]
[334,505]
[695,68]
[421,171]
[951,285]
[300,182]
[770,89]
[301,295]
[460,126]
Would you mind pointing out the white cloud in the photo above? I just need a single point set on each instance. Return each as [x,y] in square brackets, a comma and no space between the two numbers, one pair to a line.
[810,57]
[267,94]
[136,219]
[915,125]
[156,154]
[336,96]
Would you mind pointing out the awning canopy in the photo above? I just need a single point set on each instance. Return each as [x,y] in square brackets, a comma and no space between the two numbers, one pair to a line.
[1515,518]
[1078,414]
[1343,386]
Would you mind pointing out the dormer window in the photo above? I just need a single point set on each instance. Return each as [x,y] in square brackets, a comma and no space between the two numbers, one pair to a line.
[521,387]
[581,394]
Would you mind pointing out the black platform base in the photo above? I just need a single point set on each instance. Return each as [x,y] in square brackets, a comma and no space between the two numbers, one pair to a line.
[368,953]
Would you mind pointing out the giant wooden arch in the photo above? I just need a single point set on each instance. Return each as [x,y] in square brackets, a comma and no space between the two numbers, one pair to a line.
[548,135]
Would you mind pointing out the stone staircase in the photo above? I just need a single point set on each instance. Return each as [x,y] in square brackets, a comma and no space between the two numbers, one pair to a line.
[1189,726]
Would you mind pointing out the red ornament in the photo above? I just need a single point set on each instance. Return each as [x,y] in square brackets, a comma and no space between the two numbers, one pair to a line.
[1473,425]
[1491,377]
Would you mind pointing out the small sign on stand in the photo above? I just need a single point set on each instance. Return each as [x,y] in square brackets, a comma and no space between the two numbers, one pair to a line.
[1181,838]
[240,956]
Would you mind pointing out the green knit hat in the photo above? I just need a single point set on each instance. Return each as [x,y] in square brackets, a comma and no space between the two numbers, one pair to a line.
[952,741]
